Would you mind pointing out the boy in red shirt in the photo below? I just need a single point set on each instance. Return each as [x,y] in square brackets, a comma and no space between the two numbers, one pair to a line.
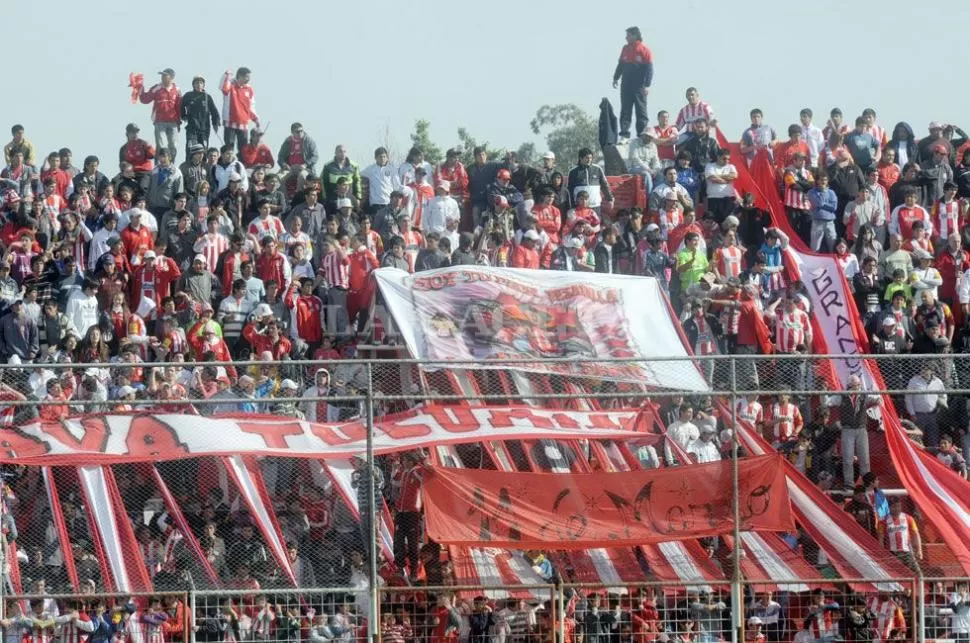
[255,153]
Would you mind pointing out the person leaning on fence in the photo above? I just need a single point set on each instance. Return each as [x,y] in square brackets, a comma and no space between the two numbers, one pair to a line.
[849,411]
[900,534]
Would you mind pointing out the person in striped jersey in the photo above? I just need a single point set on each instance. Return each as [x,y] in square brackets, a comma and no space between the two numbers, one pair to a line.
[38,625]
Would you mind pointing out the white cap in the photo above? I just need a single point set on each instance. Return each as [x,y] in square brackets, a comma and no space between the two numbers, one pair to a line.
[650,131]
[549,155]
[135,212]
[149,254]
[345,203]
[652,227]
[200,258]
[289,384]
[888,320]
[922,254]
[262,310]
[246,379]
[531,234]
[445,185]
[754,620]
[266,356]
[574,242]
[668,193]
[91,372]
[234,177]
[729,221]
[126,390]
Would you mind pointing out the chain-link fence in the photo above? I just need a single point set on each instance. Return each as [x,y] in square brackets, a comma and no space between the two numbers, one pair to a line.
[224,520]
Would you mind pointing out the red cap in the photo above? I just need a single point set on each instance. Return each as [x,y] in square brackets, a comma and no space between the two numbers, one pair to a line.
[504,174]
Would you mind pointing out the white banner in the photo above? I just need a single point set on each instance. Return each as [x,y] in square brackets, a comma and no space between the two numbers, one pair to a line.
[134,438]
[486,315]
[834,310]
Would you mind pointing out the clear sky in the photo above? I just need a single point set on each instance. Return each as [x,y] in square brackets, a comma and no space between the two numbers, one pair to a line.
[351,70]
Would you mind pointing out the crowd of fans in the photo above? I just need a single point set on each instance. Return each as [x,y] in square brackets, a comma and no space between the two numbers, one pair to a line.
[236,253]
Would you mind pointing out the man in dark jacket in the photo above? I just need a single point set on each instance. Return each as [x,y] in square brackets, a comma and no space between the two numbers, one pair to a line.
[846,179]
[193,169]
[589,178]
[702,147]
[481,173]
[198,110]
[634,72]
[605,253]
[340,166]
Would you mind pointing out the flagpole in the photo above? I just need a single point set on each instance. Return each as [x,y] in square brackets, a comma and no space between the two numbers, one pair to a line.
[737,592]
[375,517]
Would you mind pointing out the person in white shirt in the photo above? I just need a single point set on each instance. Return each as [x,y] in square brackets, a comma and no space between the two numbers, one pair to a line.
[705,447]
[925,277]
[381,181]
[99,241]
[440,209]
[147,218]
[82,307]
[960,606]
[812,135]
[924,402]
[683,432]
[720,177]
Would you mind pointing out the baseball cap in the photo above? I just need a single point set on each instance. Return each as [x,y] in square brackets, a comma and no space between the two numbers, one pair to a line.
[531,235]
[574,242]
[445,185]
[652,227]
[126,390]
[135,212]
[132,127]
[888,321]
[289,384]
[935,125]
[200,258]
[235,177]
[149,254]
[168,71]
[754,620]
[344,203]
[549,155]
[504,174]
[262,310]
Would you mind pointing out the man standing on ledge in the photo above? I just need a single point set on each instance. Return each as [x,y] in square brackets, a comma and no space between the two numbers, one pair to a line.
[634,72]
[238,107]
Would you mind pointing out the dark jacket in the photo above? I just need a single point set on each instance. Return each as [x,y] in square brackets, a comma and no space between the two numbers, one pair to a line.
[897,193]
[510,192]
[479,178]
[586,175]
[909,144]
[198,109]
[333,171]
[310,154]
[846,181]
[702,151]
[607,261]
[608,127]
[962,178]
[100,182]
[192,175]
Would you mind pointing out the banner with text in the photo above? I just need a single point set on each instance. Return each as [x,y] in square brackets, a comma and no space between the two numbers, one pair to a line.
[588,510]
[142,438]
[484,315]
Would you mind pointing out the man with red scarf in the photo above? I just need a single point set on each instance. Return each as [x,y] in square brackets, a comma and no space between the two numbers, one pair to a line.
[140,154]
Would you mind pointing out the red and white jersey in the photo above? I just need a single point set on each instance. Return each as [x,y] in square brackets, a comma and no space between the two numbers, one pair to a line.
[336,270]
[153,627]
[790,421]
[670,219]
[270,226]
[212,245]
[923,244]
[409,496]
[946,218]
[262,624]
[238,104]
[413,242]
[75,632]
[793,198]
[889,616]
[898,532]
[751,411]
[690,113]
[31,630]
[791,330]
[822,625]
[727,260]
[879,134]
[705,343]
[903,217]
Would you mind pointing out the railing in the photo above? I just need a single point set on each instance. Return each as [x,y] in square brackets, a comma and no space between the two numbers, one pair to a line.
[52,527]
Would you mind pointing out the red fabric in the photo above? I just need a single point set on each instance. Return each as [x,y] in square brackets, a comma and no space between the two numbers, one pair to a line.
[951,269]
[361,265]
[61,178]
[523,257]
[262,343]
[136,82]
[136,242]
[175,512]
[456,176]
[253,155]
[165,273]
[636,52]
[240,109]
[57,516]
[580,511]
[307,310]
[270,266]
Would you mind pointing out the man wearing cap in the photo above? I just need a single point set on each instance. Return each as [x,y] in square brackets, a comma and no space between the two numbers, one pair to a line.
[200,284]
[502,187]
[225,169]
[166,101]
[525,254]
[198,110]
[193,169]
[644,159]
[139,153]
[441,208]
[298,156]
[453,171]
[705,449]
[924,149]
[152,280]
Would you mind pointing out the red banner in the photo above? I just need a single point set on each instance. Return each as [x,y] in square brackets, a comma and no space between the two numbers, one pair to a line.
[588,510]
[628,191]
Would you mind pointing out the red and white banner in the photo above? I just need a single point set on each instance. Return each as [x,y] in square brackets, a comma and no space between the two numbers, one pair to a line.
[144,438]
[590,510]
[484,315]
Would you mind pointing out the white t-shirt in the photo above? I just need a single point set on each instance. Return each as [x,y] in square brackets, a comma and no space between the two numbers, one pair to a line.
[719,190]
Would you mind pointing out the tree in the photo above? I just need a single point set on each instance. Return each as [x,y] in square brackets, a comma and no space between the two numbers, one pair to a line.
[469,143]
[421,137]
[526,154]
[568,130]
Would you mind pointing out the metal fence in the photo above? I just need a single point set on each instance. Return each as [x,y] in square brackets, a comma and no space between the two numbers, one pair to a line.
[230,573]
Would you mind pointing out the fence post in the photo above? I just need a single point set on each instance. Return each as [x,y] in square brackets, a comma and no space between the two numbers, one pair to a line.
[372,624]
[191,611]
[737,589]
[561,608]
[919,607]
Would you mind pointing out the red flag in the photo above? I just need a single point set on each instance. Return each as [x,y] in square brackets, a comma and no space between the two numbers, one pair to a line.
[137,83]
